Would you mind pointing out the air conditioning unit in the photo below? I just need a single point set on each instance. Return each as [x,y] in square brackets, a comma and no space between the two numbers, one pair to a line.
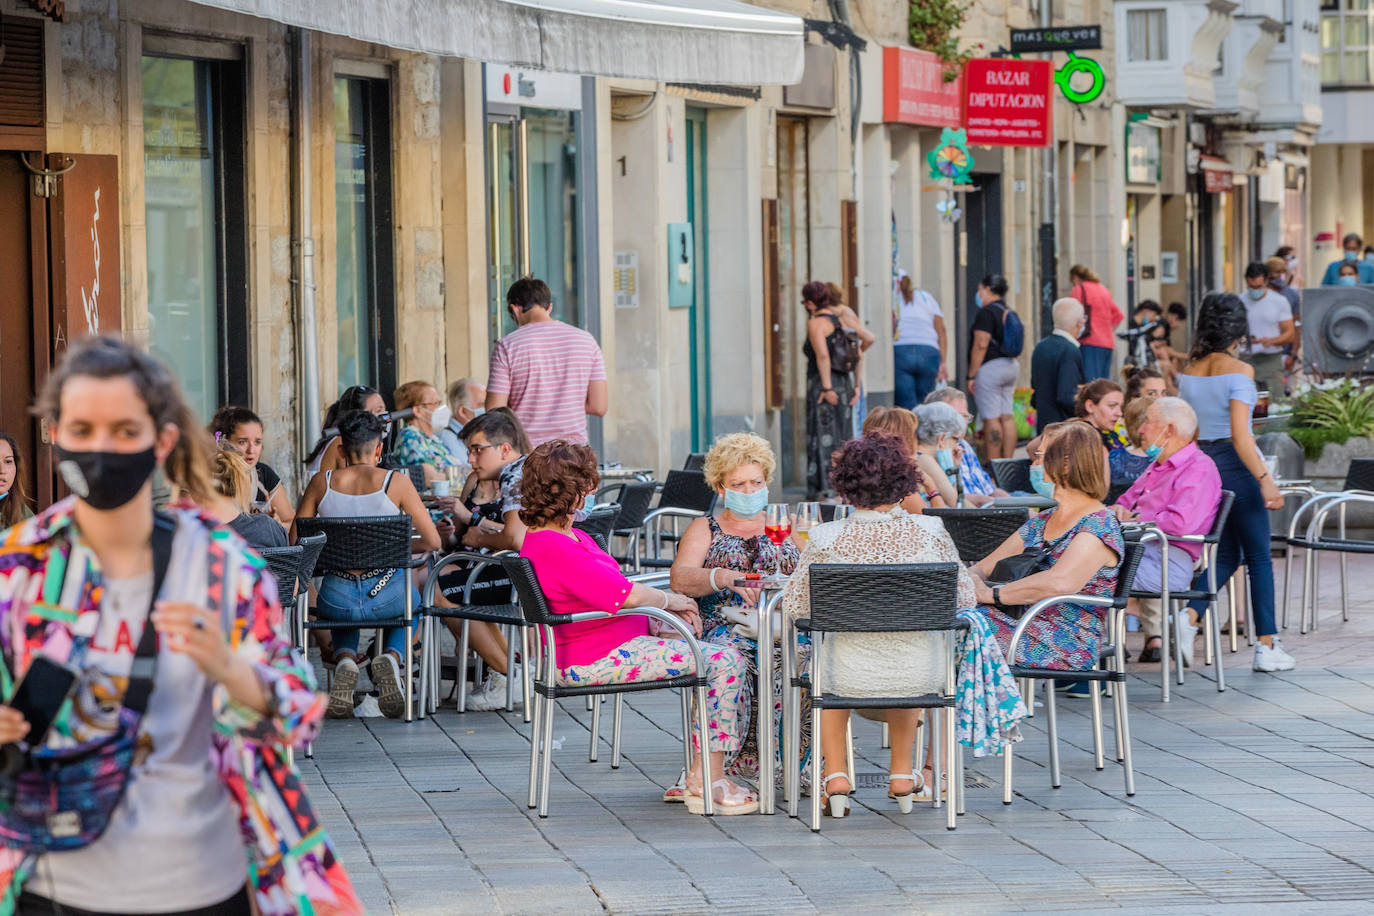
[1338,329]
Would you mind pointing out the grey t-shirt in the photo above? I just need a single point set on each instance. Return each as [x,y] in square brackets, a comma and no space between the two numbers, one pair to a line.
[173,843]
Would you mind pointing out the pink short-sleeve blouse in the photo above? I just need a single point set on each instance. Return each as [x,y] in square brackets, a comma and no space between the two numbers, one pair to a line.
[578,576]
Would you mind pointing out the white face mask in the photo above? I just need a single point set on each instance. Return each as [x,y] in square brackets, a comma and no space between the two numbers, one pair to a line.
[440,417]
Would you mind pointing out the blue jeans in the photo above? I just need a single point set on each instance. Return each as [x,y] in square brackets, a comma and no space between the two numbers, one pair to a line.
[1097,362]
[1246,534]
[914,368]
[348,600]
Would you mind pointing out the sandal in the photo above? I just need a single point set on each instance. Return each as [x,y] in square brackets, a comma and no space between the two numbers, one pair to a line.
[728,797]
[925,792]
[837,803]
[677,792]
[904,800]
[1150,654]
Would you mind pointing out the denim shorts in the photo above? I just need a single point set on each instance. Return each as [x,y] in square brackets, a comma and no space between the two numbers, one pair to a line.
[344,600]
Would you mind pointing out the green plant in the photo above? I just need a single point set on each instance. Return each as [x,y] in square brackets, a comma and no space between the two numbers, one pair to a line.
[1332,411]
[932,24]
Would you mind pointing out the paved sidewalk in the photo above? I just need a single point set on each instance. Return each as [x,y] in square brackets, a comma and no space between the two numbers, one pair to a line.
[1260,795]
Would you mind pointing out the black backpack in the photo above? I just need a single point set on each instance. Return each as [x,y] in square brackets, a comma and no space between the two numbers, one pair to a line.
[844,347]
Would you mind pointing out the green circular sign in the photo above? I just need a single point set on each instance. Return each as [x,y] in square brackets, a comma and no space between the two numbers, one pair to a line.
[1065,74]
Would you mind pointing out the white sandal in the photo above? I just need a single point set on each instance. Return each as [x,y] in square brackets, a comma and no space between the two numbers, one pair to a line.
[677,792]
[904,801]
[925,792]
[837,803]
[727,802]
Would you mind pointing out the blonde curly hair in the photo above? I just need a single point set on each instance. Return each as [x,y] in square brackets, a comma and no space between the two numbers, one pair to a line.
[735,451]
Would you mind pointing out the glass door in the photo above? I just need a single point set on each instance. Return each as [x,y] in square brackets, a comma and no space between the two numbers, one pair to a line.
[699,316]
[508,225]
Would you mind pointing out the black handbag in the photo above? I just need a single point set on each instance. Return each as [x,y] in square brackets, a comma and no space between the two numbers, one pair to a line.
[1014,568]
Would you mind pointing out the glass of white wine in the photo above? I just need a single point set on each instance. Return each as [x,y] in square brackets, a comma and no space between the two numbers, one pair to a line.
[808,517]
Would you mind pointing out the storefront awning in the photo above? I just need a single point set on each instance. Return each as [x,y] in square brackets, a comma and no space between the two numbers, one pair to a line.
[708,41]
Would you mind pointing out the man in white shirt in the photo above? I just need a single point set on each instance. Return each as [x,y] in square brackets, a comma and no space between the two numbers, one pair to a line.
[1270,317]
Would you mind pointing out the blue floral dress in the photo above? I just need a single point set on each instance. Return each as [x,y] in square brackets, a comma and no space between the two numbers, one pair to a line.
[1065,636]
[756,554]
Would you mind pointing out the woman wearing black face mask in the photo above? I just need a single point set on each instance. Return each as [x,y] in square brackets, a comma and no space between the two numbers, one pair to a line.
[186,696]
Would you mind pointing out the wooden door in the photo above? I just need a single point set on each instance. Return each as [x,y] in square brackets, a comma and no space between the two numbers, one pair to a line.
[23,315]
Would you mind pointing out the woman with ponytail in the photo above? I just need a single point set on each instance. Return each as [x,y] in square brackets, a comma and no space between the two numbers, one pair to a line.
[172,629]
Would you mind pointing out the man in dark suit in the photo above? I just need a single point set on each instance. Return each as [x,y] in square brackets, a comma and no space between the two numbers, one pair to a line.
[1057,366]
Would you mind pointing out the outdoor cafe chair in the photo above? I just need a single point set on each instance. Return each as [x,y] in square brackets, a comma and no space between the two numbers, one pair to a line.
[285,565]
[1112,673]
[547,690]
[978,532]
[416,473]
[635,498]
[1358,490]
[871,598]
[599,522]
[696,461]
[1012,474]
[685,495]
[378,542]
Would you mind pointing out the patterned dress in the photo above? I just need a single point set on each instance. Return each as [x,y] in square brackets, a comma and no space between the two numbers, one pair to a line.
[828,426]
[414,447]
[756,554]
[1064,636]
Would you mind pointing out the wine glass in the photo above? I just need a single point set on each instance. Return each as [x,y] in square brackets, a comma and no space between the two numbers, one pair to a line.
[777,527]
[843,511]
[808,517]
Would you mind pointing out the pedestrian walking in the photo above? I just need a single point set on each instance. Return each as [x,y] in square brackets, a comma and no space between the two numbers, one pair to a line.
[167,789]
[1270,320]
[1352,243]
[997,340]
[550,373]
[918,344]
[1102,315]
[14,501]
[1214,384]
[1057,366]
[834,350]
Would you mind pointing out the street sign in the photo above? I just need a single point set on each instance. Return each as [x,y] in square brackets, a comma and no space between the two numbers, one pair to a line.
[1007,102]
[1063,38]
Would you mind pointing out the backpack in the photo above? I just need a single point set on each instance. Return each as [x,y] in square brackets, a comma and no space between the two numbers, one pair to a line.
[844,347]
[1080,292]
[1013,332]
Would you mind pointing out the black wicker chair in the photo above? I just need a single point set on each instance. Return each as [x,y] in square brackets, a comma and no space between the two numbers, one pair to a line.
[873,598]
[416,473]
[1114,674]
[978,532]
[599,522]
[1012,474]
[381,542]
[548,691]
[696,461]
[285,565]
[685,495]
[635,497]
[1173,598]
[1358,490]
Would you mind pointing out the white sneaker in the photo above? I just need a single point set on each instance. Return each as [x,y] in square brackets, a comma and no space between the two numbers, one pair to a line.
[1186,634]
[492,694]
[341,689]
[386,677]
[1273,659]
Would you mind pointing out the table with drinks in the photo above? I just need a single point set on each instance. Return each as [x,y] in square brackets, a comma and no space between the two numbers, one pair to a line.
[780,523]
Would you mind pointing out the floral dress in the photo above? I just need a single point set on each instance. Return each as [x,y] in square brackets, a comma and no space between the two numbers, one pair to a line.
[756,554]
[414,447]
[1064,636]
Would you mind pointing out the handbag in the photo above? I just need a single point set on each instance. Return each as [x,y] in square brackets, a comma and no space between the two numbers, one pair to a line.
[60,800]
[1014,568]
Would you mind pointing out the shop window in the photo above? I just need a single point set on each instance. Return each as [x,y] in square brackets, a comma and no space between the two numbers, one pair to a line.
[195,212]
[364,280]
[1347,49]
[1145,31]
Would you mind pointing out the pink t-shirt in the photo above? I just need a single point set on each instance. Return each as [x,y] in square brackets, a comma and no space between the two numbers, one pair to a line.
[545,368]
[578,576]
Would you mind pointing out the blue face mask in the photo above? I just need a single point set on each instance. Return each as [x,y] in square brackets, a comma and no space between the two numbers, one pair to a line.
[945,458]
[478,411]
[1352,255]
[978,299]
[4,496]
[1153,452]
[1347,280]
[1038,482]
[746,505]
[1256,294]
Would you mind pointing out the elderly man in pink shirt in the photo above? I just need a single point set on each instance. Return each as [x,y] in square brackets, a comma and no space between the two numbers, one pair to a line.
[1180,494]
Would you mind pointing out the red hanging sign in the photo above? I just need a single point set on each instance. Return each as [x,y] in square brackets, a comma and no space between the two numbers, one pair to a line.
[1007,102]
[915,91]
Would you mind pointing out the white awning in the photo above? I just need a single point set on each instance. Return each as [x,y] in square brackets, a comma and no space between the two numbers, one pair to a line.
[704,41]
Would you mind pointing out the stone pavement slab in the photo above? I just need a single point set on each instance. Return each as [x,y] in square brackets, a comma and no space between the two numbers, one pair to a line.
[1258,796]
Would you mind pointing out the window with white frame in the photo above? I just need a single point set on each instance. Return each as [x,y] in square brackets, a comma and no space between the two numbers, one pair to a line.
[1145,35]
[1347,47]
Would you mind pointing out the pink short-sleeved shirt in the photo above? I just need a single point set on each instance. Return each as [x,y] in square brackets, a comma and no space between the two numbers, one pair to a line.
[578,576]
[545,369]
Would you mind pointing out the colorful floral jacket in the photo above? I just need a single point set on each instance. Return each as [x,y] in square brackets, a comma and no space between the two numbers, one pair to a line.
[50,592]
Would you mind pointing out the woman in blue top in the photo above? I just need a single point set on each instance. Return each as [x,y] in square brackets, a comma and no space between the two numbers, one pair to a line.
[1221,389]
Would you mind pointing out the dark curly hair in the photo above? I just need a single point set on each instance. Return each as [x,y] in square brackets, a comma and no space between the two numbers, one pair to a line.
[817,293]
[1221,321]
[875,470]
[359,432]
[557,477]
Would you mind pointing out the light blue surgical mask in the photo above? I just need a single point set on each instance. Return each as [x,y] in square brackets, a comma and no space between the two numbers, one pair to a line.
[4,496]
[478,411]
[1256,294]
[1153,452]
[945,458]
[1352,255]
[1347,280]
[746,505]
[1038,482]
[978,299]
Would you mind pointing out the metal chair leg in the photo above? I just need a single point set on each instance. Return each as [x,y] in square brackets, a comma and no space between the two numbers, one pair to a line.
[887,738]
[1209,648]
[959,773]
[615,731]
[1167,610]
[937,753]
[1051,726]
[536,739]
[1231,601]
[546,764]
[1287,582]
[1177,648]
[528,669]
[1028,690]
[1345,584]
[704,751]
[424,668]
[951,749]
[1122,712]
[686,731]
[462,673]
[510,668]
[1213,625]
[1006,774]
[595,728]
[817,780]
[1095,695]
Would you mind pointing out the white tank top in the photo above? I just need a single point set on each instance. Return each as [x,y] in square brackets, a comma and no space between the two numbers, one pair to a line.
[315,464]
[916,319]
[347,505]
